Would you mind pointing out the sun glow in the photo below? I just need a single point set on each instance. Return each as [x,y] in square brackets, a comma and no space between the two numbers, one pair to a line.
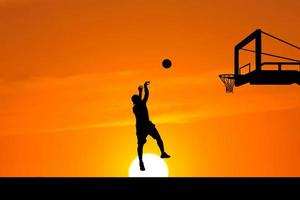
[155,167]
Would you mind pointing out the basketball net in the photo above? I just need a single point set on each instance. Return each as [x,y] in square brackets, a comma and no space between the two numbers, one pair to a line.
[228,80]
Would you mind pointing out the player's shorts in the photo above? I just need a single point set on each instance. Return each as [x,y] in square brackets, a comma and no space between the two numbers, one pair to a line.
[143,131]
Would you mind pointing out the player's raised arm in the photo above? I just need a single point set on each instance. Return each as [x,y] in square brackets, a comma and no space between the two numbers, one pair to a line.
[146,91]
[140,88]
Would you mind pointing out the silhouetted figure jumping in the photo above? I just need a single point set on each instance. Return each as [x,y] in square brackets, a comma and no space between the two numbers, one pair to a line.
[144,126]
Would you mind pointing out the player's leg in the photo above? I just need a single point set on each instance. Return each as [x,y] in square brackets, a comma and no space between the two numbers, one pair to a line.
[155,134]
[140,154]
[160,143]
[141,142]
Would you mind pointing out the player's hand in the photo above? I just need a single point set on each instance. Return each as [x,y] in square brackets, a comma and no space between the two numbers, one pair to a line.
[146,83]
[140,88]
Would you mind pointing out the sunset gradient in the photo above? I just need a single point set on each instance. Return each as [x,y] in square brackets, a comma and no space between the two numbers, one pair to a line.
[70,67]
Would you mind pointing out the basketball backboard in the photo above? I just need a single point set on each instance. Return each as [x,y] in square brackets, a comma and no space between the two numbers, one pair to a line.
[256,71]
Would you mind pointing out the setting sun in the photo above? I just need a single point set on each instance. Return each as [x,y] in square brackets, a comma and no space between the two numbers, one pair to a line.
[155,167]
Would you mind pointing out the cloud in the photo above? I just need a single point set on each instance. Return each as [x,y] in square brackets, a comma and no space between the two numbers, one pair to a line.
[92,126]
[22,2]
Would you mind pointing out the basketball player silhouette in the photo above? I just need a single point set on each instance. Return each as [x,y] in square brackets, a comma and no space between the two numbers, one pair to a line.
[144,126]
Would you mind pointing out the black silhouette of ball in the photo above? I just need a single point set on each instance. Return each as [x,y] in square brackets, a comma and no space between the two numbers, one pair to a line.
[166,63]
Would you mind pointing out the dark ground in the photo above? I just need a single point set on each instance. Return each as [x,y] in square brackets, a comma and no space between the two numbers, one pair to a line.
[150,186]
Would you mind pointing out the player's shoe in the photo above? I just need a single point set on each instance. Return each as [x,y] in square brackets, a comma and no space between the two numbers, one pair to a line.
[142,167]
[165,155]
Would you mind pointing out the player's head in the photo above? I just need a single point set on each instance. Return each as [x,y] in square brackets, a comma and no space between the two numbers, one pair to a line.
[135,99]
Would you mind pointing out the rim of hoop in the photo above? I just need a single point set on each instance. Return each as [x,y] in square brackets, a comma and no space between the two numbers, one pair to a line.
[229,76]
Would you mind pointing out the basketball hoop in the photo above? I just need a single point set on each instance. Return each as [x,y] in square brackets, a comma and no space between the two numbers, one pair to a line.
[228,80]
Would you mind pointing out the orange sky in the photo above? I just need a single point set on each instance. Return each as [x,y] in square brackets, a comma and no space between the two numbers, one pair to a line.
[69,68]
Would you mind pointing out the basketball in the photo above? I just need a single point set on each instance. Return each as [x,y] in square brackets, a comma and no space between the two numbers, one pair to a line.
[166,63]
